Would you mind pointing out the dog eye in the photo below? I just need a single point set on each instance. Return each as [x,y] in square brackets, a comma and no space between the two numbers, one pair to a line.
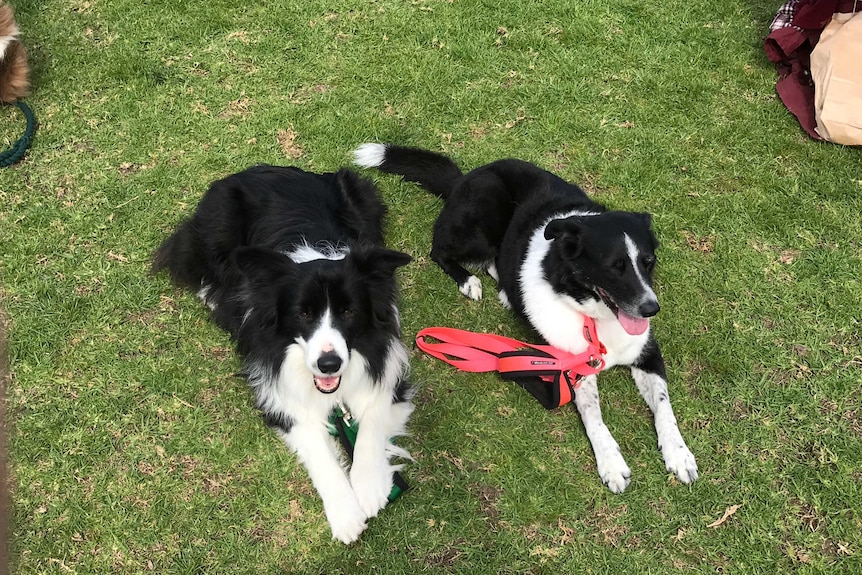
[346,313]
[649,262]
[304,314]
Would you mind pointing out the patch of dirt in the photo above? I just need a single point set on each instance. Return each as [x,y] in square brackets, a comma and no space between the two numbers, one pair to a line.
[488,497]
[239,108]
[703,244]
[287,140]
[447,556]
[304,94]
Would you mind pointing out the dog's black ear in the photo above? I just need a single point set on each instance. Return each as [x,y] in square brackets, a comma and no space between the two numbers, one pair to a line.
[646,219]
[262,266]
[378,266]
[569,233]
[379,262]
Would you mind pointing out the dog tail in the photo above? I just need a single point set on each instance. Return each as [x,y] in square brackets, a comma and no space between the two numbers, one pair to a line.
[162,256]
[180,256]
[434,172]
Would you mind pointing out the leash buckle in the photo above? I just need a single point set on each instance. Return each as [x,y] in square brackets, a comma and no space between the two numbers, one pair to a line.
[574,382]
[345,413]
[595,362]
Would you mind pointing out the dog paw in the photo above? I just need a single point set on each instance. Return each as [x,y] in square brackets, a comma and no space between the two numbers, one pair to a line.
[346,519]
[472,288]
[680,461]
[614,471]
[372,484]
[504,299]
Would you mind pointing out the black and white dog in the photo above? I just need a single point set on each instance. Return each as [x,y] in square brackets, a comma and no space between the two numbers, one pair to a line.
[292,264]
[557,256]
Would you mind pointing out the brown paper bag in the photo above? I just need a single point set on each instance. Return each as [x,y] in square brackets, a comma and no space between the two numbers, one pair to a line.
[836,68]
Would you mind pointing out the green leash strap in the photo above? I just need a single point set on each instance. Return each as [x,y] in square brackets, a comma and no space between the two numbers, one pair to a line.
[346,429]
[16,152]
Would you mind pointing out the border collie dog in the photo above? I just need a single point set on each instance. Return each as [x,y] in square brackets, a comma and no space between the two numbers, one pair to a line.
[557,257]
[292,264]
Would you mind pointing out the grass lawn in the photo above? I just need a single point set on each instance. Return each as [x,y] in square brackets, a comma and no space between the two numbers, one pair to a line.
[133,447]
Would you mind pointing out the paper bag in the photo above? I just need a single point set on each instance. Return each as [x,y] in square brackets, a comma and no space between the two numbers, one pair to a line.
[836,68]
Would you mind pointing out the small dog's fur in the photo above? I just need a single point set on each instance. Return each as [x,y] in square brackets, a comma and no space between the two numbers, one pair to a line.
[292,264]
[557,256]
[14,71]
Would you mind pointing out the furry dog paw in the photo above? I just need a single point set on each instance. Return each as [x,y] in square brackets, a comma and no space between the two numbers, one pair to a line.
[472,288]
[680,461]
[372,483]
[614,471]
[346,519]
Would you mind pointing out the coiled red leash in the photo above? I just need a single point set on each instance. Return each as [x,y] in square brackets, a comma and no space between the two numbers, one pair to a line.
[550,374]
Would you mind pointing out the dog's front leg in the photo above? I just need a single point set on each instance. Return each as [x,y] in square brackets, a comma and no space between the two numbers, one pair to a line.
[371,473]
[468,284]
[317,452]
[612,468]
[649,375]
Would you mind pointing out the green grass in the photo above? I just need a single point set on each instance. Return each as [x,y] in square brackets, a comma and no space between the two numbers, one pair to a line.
[134,449]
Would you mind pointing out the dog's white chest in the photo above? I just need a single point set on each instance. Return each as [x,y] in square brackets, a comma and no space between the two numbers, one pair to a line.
[563,327]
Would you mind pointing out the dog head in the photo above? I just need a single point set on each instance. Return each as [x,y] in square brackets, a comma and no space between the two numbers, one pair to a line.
[328,307]
[605,262]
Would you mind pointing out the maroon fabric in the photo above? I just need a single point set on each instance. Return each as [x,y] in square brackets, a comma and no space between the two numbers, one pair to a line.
[794,33]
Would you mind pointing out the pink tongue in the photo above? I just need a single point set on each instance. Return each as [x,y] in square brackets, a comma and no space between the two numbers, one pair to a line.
[632,325]
[327,383]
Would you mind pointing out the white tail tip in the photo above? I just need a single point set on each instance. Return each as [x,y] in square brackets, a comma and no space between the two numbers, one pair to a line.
[369,155]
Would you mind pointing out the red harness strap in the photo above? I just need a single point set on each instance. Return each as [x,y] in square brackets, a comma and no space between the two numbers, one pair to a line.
[516,360]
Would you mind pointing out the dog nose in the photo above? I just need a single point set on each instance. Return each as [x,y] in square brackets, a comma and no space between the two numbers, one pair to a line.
[329,363]
[649,308]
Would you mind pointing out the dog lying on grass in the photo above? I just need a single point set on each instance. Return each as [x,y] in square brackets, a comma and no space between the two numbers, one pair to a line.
[557,257]
[293,265]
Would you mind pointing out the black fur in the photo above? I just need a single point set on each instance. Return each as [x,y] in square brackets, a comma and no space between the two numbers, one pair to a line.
[489,215]
[236,241]
[293,265]
[558,257]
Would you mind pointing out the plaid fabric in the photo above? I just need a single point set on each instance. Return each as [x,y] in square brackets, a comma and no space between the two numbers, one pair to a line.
[784,17]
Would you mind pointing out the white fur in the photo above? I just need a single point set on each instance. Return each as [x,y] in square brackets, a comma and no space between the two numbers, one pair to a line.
[306,253]
[325,339]
[472,288]
[492,271]
[316,450]
[504,299]
[349,498]
[610,464]
[11,36]
[677,457]
[560,320]
[203,295]
[634,255]
[247,315]
[369,155]
[4,44]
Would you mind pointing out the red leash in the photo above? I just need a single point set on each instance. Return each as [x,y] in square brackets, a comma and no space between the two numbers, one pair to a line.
[518,361]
